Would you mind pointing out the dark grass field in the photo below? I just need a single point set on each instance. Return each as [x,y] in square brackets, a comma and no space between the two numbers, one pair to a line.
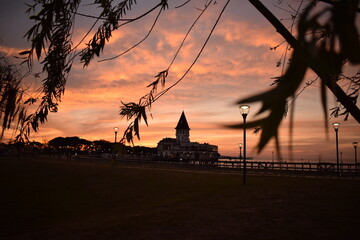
[60,200]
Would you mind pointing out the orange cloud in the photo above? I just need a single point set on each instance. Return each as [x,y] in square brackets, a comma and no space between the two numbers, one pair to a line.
[236,63]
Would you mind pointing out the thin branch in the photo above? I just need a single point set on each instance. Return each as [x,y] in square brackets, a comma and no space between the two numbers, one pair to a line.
[187,34]
[133,127]
[87,34]
[100,18]
[138,43]
[197,57]
[308,84]
[143,15]
[183,4]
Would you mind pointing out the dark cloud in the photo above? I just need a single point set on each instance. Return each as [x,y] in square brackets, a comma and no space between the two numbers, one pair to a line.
[14,23]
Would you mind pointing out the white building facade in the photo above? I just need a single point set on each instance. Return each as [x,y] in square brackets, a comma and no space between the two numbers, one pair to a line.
[182,149]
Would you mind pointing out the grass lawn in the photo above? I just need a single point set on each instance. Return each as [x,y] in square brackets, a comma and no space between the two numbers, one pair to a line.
[59,200]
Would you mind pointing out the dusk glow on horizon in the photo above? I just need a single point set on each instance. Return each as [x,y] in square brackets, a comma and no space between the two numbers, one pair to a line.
[236,63]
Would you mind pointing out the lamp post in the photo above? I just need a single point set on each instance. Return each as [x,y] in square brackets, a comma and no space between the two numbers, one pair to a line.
[240,146]
[116,129]
[244,110]
[336,128]
[355,144]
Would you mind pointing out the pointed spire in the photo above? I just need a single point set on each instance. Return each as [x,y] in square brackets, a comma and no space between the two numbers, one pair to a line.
[182,124]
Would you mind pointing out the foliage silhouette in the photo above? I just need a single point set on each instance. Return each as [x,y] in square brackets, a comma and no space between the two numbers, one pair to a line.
[315,48]
[323,46]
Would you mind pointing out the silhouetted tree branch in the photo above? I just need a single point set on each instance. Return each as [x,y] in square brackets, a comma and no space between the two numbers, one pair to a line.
[322,58]
[322,47]
[12,106]
[329,80]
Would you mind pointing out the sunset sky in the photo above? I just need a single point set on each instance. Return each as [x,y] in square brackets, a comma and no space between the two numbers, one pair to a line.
[236,63]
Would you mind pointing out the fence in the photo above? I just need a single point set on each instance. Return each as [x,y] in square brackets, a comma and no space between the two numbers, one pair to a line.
[306,168]
[263,167]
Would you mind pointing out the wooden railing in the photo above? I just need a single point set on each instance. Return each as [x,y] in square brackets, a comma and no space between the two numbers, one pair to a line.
[264,167]
[295,167]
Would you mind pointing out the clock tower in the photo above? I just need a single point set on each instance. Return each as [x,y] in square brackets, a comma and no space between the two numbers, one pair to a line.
[182,130]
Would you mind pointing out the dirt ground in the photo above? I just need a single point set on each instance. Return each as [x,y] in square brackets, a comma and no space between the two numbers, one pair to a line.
[47,199]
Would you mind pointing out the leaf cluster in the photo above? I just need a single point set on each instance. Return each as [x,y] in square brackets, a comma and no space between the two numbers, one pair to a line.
[111,16]
[51,43]
[11,93]
[137,111]
[321,45]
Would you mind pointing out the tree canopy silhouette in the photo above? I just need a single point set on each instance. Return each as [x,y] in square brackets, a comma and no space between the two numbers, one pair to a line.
[326,40]
[68,142]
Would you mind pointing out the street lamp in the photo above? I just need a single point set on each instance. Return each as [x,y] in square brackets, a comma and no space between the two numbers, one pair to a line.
[240,146]
[336,128]
[244,110]
[355,144]
[116,129]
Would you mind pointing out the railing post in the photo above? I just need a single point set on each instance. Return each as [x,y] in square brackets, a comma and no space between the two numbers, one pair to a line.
[302,168]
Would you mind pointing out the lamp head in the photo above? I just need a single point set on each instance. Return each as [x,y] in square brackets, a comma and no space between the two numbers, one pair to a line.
[355,144]
[244,109]
[116,129]
[336,125]
[240,145]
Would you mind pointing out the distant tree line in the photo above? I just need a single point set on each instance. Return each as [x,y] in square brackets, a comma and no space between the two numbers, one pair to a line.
[78,145]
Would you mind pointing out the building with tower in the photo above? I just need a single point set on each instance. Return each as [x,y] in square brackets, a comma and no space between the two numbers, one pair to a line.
[182,149]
